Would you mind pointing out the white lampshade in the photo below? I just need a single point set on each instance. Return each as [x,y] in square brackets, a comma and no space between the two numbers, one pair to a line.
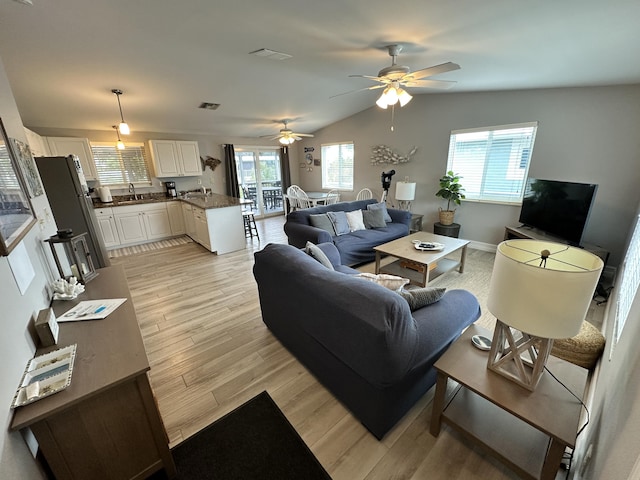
[124,128]
[405,191]
[404,97]
[287,140]
[547,301]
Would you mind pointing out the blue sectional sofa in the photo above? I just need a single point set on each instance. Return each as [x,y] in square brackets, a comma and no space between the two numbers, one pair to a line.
[359,339]
[354,247]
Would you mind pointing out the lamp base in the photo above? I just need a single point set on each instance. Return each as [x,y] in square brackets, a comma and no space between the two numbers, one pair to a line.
[404,205]
[521,360]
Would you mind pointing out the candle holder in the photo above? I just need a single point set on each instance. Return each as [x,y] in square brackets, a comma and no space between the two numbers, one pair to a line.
[72,256]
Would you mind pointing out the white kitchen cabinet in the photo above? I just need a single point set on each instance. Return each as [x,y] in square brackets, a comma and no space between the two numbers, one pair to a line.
[176,218]
[75,146]
[156,223]
[130,226]
[37,144]
[108,229]
[202,227]
[142,223]
[189,221]
[175,158]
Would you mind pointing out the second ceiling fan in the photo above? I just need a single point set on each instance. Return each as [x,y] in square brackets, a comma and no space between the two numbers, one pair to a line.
[287,136]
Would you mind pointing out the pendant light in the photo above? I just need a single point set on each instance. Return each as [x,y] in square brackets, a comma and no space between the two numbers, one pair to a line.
[123,127]
[120,143]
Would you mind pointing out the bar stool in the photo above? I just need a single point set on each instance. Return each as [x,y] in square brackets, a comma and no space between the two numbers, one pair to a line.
[250,228]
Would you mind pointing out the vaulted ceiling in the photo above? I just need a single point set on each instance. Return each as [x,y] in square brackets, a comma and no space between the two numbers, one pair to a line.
[64,57]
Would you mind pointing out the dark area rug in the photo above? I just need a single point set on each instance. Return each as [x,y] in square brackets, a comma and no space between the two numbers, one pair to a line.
[254,441]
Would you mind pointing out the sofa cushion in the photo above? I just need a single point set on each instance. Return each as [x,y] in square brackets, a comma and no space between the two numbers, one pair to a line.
[373,218]
[339,221]
[355,220]
[420,297]
[392,282]
[315,252]
[321,220]
[380,206]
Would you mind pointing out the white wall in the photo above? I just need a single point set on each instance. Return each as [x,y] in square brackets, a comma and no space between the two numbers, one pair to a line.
[584,135]
[614,431]
[18,311]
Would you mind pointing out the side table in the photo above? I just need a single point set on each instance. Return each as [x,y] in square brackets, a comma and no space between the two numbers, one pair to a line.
[527,431]
[416,223]
[452,230]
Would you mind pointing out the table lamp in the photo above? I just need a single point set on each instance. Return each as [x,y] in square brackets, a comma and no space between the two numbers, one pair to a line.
[539,291]
[405,193]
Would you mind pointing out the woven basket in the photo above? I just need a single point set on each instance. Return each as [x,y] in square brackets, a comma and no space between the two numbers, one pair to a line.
[446,216]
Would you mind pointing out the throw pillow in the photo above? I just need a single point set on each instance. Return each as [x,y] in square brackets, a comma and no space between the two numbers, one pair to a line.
[339,221]
[322,221]
[315,252]
[380,206]
[392,282]
[355,220]
[373,218]
[419,297]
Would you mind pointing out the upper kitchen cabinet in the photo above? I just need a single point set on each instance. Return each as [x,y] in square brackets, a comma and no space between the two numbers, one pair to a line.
[75,146]
[37,144]
[175,158]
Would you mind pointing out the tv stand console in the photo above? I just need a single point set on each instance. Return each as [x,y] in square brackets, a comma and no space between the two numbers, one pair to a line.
[534,234]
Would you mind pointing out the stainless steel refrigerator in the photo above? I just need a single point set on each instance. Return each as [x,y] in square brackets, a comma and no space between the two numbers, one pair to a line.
[71,205]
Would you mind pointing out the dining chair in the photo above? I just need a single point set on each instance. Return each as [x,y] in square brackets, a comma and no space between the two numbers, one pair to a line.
[364,194]
[333,196]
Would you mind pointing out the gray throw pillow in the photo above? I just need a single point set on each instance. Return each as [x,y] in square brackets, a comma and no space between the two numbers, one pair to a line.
[380,206]
[315,252]
[321,220]
[420,297]
[373,218]
[340,222]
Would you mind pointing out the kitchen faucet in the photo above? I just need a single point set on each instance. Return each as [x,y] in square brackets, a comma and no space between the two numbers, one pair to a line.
[132,189]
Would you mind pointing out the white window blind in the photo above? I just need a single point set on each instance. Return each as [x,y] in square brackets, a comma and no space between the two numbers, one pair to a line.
[8,179]
[493,161]
[337,165]
[121,167]
[629,283]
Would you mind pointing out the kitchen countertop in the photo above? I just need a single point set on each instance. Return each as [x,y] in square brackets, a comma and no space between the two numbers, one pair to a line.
[212,200]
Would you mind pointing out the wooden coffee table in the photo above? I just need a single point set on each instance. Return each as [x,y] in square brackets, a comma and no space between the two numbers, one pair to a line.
[420,267]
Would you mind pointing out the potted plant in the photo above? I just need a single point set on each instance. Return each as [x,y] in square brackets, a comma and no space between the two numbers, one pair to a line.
[451,190]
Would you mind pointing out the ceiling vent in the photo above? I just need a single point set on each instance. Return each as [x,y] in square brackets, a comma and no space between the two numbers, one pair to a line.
[209,106]
[271,54]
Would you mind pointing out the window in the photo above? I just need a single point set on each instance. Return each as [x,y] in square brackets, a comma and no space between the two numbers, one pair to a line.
[493,161]
[121,167]
[629,283]
[337,166]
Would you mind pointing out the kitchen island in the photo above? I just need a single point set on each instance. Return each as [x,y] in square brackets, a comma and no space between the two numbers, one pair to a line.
[215,222]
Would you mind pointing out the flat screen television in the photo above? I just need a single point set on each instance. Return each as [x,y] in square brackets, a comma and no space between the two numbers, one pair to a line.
[558,208]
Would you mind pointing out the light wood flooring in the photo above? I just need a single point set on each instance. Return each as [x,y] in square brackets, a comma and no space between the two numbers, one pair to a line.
[210,351]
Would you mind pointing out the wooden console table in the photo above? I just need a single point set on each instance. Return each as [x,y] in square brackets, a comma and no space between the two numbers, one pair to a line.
[106,424]
[528,431]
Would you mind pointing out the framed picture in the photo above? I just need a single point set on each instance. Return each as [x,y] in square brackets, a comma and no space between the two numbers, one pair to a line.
[28,167]
[16,212]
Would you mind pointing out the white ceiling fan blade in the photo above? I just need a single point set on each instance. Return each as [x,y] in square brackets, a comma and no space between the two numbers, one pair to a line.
[431,71]
[373,87]
[437,84]
[302,134]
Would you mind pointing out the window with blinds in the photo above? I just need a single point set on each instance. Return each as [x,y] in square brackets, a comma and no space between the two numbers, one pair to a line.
[8,179]
[337,166]
[120,167]
[629,283]
[493,161]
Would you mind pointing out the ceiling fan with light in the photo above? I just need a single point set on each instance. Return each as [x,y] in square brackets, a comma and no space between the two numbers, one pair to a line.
[287,136]
[395,78]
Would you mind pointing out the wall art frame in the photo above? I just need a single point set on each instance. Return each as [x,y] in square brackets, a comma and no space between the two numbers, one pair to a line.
[28,167]
[16,211]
